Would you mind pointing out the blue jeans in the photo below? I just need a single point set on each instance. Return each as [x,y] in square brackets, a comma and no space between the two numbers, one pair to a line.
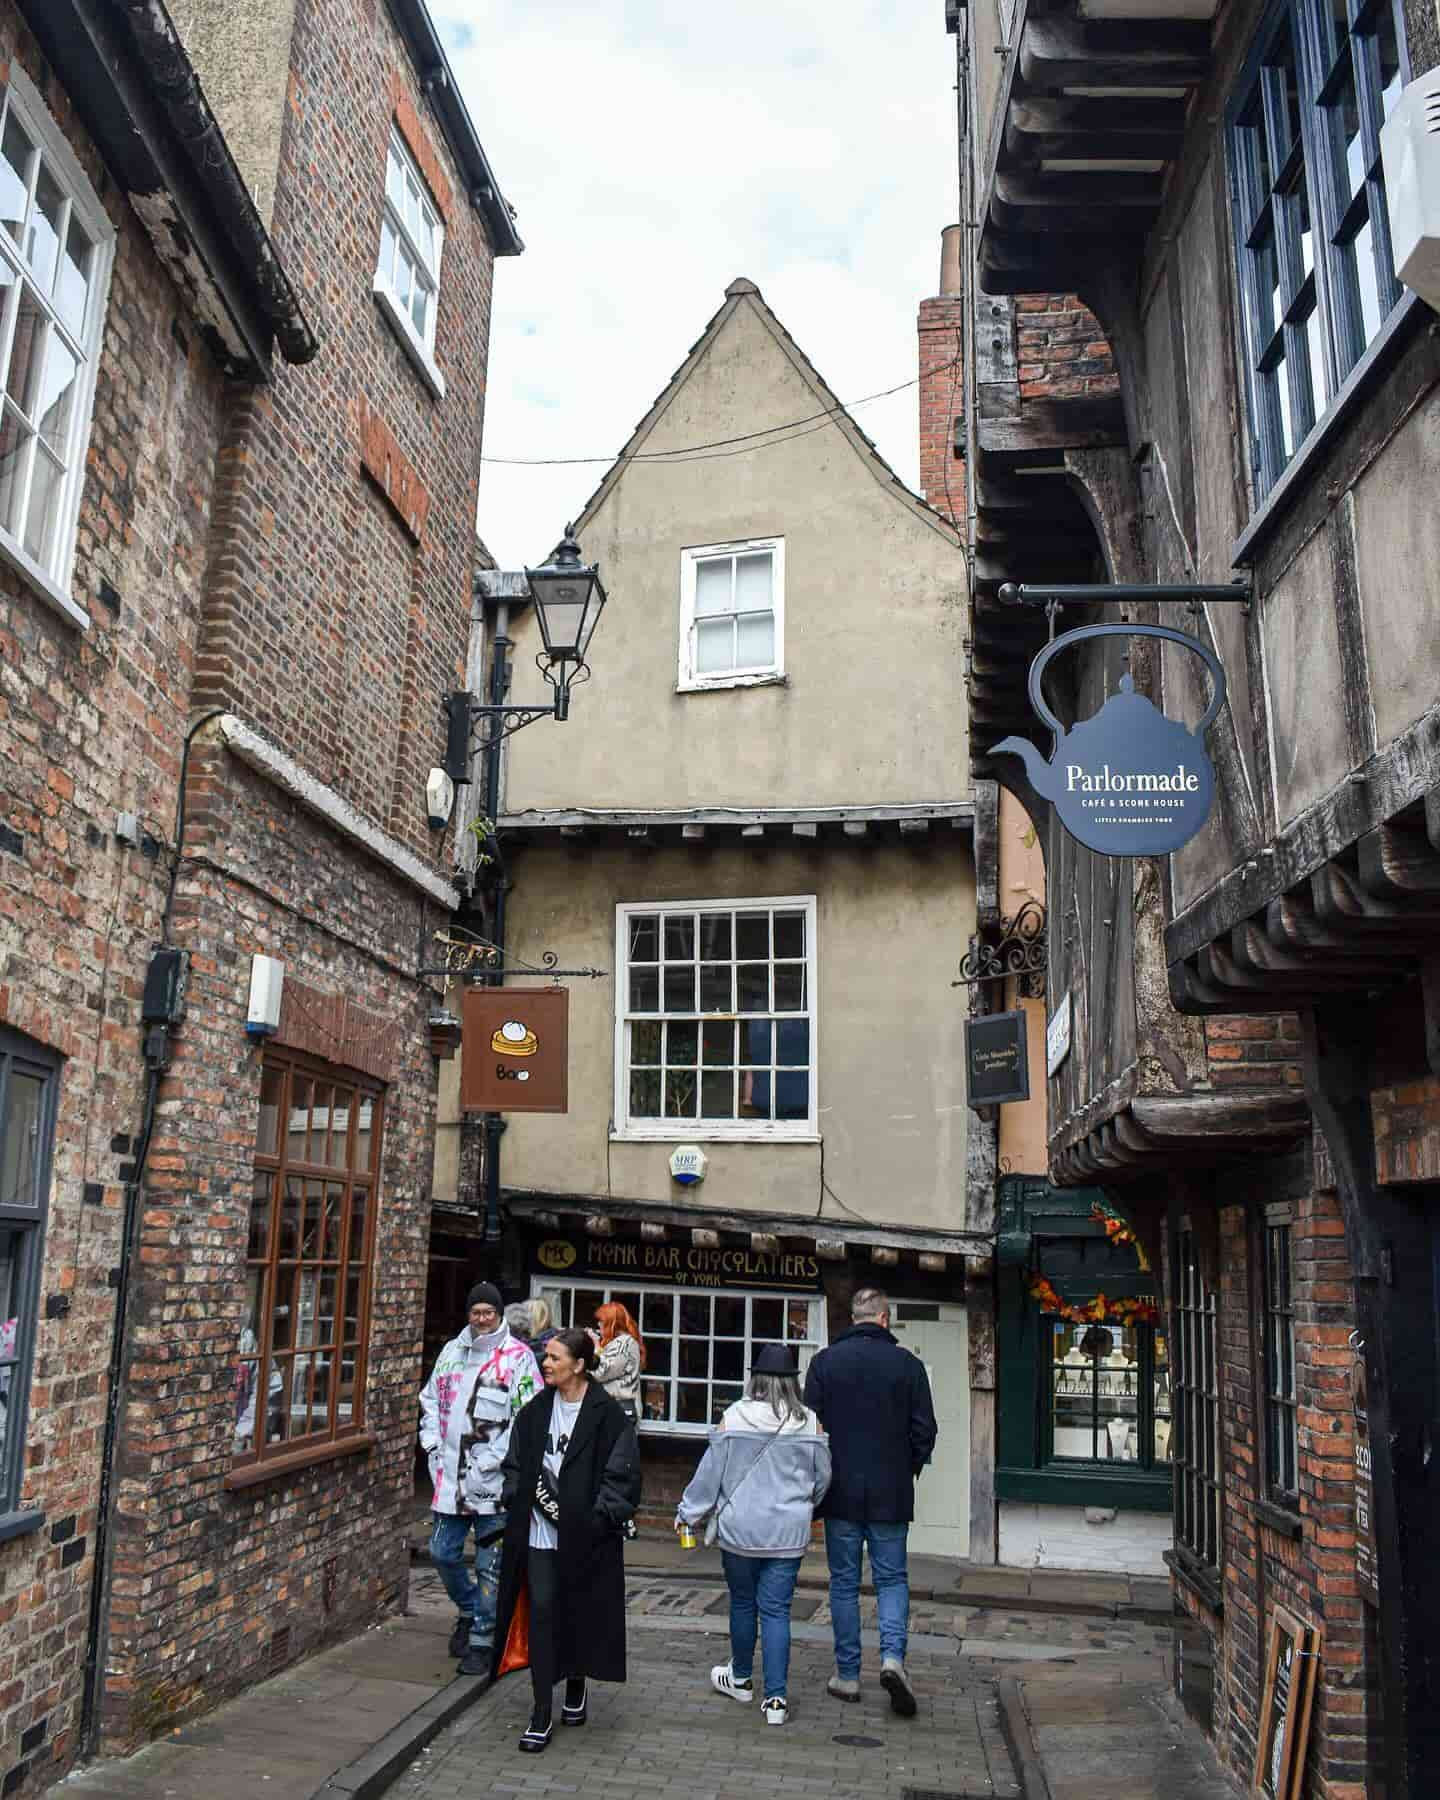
[845,1544]
[475,1598]
[763,1586]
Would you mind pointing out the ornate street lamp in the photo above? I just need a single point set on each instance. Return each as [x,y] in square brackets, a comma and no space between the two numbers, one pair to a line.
[569,598]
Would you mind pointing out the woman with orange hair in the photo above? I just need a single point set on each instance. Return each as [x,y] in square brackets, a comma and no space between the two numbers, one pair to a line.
[622,1357]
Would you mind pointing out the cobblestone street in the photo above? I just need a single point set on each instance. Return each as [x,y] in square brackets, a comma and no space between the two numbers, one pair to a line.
[666,1734]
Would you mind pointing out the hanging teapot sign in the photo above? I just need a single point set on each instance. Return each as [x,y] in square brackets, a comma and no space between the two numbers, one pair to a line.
[1129,781]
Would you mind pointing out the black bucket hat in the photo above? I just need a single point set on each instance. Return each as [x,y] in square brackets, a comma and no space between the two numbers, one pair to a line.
[774,1359]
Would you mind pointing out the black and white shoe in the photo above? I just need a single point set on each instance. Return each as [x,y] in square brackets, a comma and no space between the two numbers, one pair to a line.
[576,1707]
[536,1735]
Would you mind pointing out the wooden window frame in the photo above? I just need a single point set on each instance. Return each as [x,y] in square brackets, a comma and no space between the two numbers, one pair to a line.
[1270,164]
[28,1220]
[689,679]
[50,573]
[276,1169]
[694,1128]
[1195,1408]
[1146,1462]
[1282,1479]
[423,269]
[806,1345]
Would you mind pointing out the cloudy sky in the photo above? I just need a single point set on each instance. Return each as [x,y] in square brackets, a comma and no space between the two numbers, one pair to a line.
[656,149]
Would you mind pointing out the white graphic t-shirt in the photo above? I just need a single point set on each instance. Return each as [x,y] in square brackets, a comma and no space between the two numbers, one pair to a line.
[543,1535]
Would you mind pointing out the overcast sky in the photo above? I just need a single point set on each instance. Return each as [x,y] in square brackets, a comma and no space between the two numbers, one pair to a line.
[656,149]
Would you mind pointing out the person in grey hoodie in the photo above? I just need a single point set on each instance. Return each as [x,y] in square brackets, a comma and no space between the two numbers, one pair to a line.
[763,1474]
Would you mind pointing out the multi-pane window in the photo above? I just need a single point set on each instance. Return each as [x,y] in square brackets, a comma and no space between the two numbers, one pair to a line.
[54,267]
[731,613]
[300,1375]
[407,276]
[1280,1403]
[1313,241]
[27,1125]
[716,1019]
[1196,1407]
[698,1346]
[1109,1395]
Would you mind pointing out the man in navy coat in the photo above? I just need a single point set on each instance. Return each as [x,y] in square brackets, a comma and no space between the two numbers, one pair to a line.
[873,1398]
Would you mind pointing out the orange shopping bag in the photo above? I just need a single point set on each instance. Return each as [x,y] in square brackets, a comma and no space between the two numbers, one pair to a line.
[516,1654]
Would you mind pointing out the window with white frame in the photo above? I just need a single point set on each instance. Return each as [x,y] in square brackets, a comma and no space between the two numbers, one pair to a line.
[407,276]
[698,1345]
[55,251]
[732,612]
[715,1019]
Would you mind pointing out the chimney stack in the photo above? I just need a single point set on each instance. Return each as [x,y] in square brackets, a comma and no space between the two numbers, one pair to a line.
[942,383]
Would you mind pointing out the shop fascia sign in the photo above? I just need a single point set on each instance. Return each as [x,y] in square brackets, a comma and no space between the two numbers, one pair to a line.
[1129,781]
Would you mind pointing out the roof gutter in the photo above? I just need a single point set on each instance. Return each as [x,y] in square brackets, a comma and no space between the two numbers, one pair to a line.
[437,78]
[177,87]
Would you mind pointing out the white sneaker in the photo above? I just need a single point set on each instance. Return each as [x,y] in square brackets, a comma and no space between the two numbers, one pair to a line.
[776,1709]
[724,1682]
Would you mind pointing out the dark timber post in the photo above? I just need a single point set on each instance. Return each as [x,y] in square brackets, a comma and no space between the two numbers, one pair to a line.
[1392,1235]
[499,684]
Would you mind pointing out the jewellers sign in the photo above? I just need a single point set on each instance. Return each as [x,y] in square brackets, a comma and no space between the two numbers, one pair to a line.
[1128,782]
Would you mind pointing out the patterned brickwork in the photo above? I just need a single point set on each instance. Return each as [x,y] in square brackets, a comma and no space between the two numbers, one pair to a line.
[233,554]
[1062,351]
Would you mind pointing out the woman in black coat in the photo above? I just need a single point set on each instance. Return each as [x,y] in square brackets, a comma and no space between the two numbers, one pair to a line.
[572,1479]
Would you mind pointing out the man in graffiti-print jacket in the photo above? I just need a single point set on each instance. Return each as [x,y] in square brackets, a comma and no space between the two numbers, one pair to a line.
[480,1381]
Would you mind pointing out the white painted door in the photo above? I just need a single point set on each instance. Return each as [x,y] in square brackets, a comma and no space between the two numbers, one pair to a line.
[938,1336]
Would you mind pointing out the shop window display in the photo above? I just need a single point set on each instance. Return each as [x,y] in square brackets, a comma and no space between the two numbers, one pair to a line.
[698,1343]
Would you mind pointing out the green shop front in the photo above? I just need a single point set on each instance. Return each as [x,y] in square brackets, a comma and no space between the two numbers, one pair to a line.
[1084,1411]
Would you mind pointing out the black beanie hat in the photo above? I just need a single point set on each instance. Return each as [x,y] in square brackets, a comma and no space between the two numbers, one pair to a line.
[775,1359]
[484,1293]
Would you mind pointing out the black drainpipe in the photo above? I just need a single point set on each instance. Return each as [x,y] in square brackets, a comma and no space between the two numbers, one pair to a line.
[157,1058]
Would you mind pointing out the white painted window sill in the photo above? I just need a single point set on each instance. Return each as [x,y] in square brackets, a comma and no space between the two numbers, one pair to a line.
[666,1134]
[410,341]
[44,585]
[704,683]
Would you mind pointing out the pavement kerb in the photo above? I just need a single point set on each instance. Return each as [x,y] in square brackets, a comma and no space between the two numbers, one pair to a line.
[374,1772]
[1015,1723]
[1120,1610]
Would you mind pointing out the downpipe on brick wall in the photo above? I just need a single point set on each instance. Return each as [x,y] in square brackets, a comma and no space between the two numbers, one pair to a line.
[157,1059]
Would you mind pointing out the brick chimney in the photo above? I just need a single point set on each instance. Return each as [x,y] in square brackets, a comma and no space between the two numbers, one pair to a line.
[942,384]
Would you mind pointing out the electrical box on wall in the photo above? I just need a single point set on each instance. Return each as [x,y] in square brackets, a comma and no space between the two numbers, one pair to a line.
[163,1002]
[1410,146]
[267,986]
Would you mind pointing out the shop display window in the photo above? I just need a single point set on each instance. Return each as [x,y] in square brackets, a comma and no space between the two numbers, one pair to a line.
[699,1343]
[1109,1393]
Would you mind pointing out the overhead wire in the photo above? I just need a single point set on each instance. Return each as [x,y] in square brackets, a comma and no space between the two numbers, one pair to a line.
[705,452]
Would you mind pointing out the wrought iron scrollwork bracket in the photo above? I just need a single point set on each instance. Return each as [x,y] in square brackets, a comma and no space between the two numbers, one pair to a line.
[1016,949]
[478,959]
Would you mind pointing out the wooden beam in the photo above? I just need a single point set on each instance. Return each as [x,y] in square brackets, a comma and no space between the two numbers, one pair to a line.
[914,830]
[752,832]
[1090,422]
[693,834]
[805,830]
[856,830]
[1059,52]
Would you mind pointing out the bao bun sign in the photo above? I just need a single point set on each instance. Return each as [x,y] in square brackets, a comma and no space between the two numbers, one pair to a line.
[1128,782]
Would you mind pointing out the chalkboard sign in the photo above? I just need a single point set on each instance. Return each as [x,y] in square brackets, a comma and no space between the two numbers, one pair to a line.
[996,1060]
[1285,1708]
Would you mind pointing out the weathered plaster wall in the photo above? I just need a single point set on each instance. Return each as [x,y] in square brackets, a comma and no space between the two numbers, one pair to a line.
[1022,878]
[890,1032]
[1397,533]
[242,56]
[872,707]
[1303,673]
[1033,1536]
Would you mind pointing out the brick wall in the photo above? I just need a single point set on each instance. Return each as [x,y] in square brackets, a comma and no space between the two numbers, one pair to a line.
[942,400]
[1061,350]
[333,624]
[1254,1051]
[231,551]
[90,724]
[1265,1564]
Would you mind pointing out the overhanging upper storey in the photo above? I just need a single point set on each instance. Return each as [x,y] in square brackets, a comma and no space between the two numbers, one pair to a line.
[1077,132]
